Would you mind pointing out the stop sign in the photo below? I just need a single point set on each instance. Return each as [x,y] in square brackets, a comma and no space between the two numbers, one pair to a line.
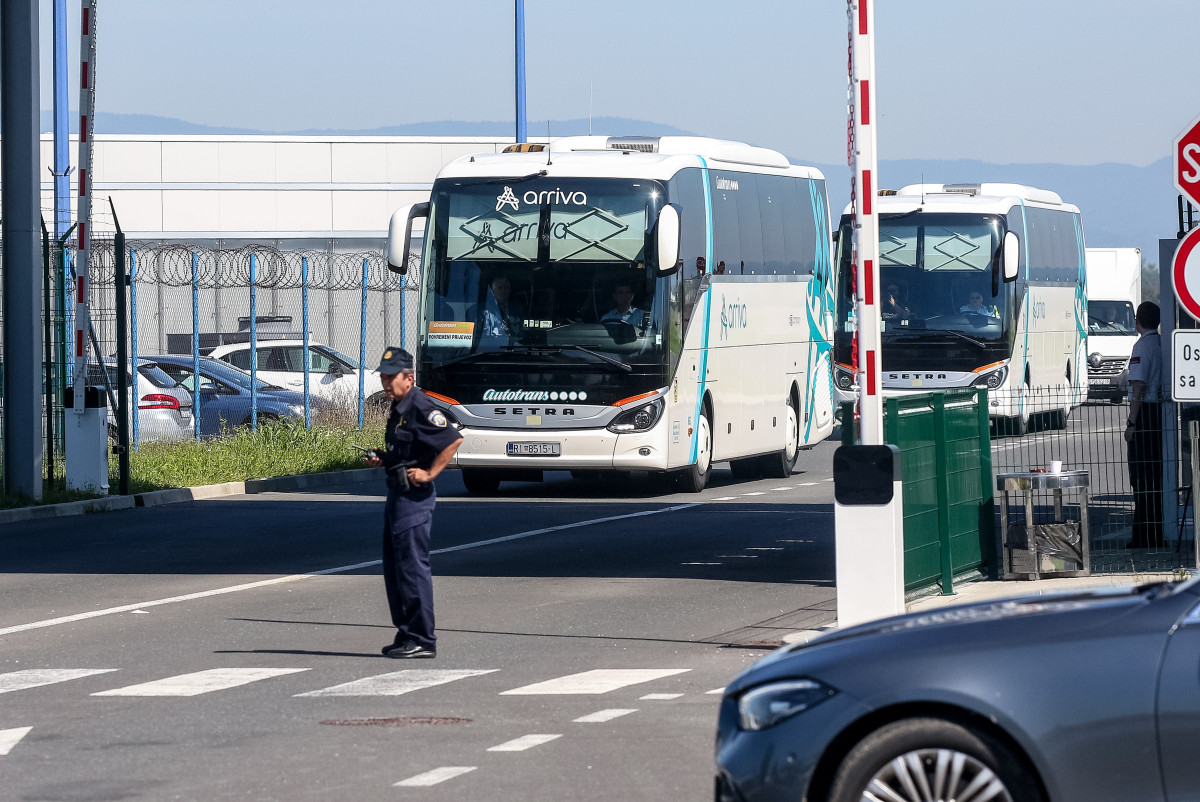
[1187,162]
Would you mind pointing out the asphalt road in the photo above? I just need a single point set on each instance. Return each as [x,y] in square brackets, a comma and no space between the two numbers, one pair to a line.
[229,649]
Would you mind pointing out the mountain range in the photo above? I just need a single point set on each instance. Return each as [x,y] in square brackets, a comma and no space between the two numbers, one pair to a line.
[1123,205]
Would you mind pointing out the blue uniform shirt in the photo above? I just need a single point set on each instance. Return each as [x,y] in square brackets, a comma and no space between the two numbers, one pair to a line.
[417,431]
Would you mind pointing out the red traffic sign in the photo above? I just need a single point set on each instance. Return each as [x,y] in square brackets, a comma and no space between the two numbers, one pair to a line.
[1187,162]
[1185,273]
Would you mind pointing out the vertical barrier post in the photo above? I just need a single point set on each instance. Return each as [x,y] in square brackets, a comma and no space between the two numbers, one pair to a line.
[253,344]
[196,394]
[362,343]
[133,335]
[48,345]
[943,491]
[124,410]
[987,504]
[304,328]
[403,317]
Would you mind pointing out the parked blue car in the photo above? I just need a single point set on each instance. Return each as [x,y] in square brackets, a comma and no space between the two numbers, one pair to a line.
[223,401]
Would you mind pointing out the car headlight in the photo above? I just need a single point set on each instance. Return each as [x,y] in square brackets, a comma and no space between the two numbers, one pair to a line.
[768,705]
[992,380]
[638,419]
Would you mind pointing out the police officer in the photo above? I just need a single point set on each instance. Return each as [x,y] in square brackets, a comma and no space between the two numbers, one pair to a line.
[1143,430]
[420,443]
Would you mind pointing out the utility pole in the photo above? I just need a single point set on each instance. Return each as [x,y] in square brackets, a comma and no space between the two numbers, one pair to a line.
[20,198]
[520,60]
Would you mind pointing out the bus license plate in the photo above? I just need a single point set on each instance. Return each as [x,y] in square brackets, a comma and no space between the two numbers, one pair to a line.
[534,449]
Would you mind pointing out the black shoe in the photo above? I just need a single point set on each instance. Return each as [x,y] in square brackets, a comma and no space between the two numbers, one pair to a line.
[407,651]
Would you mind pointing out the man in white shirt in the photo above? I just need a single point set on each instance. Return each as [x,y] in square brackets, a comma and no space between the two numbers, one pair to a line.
[975,305]
[624,311]
[1143,430]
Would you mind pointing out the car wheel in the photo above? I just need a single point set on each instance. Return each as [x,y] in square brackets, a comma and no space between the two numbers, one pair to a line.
[920,759]
[693,478]
[481,480]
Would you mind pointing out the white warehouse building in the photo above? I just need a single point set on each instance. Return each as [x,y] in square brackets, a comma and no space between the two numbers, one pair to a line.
[258,188]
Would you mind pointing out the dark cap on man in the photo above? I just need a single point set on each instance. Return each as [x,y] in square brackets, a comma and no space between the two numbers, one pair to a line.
[395,360]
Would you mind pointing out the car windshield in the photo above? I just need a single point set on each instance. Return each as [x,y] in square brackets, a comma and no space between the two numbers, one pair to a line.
[217,369]
[351,361]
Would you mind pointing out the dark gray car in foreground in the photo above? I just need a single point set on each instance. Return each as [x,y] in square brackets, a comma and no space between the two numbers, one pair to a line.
[1075,697]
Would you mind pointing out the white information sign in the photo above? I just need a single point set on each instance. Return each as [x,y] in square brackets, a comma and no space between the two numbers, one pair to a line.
[1185,365]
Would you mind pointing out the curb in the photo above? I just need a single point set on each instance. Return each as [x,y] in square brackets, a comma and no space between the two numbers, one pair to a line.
[177,495]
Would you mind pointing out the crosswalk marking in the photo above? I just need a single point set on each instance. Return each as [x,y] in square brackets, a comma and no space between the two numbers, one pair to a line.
[399,682]
[199,682]
[523,743]
[10,738]
[434,777]
[600,680]
[33,677]
[601,716]
[655,697]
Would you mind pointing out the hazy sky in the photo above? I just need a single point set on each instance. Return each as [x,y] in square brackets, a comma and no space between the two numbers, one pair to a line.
[1026,81]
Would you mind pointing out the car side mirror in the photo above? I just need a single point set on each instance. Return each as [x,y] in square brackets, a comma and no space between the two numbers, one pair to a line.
[400,235]
[1012,256]
[666,239]
[335,369]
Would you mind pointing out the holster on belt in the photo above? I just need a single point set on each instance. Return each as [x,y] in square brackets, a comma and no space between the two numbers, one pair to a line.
[397,476]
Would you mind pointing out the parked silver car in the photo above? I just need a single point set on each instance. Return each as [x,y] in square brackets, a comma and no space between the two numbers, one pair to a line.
[164,410]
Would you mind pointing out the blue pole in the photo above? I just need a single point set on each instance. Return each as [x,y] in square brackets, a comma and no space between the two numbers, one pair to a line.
[196,344]
[133,349]
[362,344]
[304,326]
[253,344]
[62,142]
[521,131]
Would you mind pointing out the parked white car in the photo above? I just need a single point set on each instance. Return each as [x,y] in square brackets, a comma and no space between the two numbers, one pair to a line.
[332,375]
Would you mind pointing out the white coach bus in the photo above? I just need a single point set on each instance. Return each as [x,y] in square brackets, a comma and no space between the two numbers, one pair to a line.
[625,304]
[980,285]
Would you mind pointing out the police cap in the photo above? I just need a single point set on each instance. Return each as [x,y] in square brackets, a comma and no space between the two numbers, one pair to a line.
[395,360]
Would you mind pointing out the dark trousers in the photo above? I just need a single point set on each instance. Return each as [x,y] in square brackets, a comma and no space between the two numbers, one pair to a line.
[407,577]
[1145,476]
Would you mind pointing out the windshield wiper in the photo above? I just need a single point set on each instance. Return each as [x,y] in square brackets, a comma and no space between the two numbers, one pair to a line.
[967,337]
[931,335]
[558,349]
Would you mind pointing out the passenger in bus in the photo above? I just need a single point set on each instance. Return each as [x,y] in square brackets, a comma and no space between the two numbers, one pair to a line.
[974,305]
[893,306]
[625,311]
[502,314]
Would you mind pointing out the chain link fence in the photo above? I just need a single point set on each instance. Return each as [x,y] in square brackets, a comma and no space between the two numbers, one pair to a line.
[198,296]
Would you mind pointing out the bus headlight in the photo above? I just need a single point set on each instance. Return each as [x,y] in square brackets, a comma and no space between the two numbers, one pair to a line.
[842,377]
[992,380]
[638,419]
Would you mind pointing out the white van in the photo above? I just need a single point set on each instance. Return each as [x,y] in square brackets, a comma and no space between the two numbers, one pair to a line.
[1114,278]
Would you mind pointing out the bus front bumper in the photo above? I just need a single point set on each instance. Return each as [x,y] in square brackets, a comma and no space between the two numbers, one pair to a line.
[577,449]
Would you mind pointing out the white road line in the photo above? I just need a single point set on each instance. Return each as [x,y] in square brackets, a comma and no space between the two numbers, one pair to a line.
[434,777]
[33,677]
[724,498]
[713,691]
[600,680]
[742,556]
[764,548]
[129,608]
[777,489]
[199,682]
[523,743]
[10,738]
[700,563]
[656,697]
[601,716]
[808,484]
[399,682]
[755,493]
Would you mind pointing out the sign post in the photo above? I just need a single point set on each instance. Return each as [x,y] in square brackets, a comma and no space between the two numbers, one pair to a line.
[1185,267]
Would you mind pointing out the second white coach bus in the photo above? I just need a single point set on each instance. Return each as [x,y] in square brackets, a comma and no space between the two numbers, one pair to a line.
[625,304]
[980,285]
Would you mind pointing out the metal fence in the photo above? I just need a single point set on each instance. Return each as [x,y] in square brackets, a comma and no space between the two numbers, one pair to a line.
[1093,440]
[188,298]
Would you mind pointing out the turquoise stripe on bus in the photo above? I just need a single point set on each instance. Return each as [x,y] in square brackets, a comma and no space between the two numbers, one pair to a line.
[708,258]
[819,303]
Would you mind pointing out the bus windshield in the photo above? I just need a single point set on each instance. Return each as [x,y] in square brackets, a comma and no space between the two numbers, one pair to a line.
[940,286]
[534,265]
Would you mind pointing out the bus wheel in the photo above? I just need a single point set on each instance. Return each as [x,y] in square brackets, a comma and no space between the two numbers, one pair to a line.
[693,478]
[481,480]
[780,464]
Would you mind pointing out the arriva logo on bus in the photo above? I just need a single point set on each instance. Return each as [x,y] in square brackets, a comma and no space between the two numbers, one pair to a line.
[556,195]
[733,316]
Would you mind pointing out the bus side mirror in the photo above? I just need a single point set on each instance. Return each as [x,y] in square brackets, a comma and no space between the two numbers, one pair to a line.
[400,235]
[1012,256]
[666,239]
